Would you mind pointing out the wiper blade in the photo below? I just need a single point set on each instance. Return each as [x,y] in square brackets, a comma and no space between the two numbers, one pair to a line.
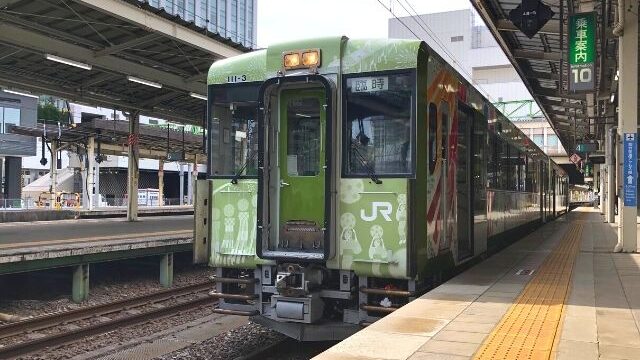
[236,176]
[372,174]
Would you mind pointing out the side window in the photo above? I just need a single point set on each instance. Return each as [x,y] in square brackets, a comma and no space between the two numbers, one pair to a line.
[378,125]
[433,144]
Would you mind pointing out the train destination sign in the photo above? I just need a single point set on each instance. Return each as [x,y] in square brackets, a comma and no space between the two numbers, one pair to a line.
[369,84]
[582,51]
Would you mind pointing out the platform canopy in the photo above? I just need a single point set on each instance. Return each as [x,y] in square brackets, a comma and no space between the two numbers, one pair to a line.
[542,64]
[155,141]
[121,54]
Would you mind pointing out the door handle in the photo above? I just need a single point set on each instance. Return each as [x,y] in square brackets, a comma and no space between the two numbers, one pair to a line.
[283,184]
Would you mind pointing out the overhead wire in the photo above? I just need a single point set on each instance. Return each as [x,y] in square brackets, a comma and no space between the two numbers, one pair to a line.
[431,34]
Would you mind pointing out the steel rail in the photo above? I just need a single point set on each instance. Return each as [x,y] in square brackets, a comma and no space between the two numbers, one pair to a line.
[50,320]
[62,338]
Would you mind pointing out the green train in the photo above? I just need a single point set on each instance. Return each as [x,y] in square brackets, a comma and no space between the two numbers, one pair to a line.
[345,177]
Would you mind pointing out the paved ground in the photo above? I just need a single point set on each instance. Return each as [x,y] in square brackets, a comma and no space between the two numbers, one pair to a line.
[92,229]
[582,302]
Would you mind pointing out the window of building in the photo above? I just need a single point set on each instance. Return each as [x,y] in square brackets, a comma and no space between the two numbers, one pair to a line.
[232,29]
[222,24]
[241,20]
[552,140]
[190,11]
[8,116]
[213,15]
[457,38]
[378,125]
[538,139]
[250,23]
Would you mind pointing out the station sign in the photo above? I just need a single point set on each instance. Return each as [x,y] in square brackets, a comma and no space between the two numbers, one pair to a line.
[630,170]
[582,51]
[175,155]
[586,147]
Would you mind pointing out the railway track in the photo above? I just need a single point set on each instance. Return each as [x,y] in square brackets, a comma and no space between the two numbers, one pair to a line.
[66,327]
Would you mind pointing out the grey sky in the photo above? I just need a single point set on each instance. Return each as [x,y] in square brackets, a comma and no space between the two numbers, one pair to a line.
[284,20]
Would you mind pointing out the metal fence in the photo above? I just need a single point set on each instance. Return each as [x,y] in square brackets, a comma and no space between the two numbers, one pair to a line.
[17,204]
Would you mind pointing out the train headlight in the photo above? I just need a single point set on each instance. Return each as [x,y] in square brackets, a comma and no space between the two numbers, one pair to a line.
[311,58]
[301,59]
[291,60]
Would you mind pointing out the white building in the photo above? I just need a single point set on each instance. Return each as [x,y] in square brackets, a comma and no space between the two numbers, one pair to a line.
[462,39]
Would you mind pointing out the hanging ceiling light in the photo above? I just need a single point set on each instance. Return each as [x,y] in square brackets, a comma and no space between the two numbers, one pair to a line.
[67,61]
[144,82]
[197,96]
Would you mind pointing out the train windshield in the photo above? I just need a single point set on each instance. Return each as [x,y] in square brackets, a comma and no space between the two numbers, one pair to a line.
[378,125]
[233,137]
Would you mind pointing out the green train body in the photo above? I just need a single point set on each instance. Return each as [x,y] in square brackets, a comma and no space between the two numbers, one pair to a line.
[346,176]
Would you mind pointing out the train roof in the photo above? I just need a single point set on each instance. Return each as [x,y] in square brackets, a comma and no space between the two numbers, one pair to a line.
[338,54]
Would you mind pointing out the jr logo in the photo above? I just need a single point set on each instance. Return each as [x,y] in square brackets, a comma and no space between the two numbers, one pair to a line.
[383,207]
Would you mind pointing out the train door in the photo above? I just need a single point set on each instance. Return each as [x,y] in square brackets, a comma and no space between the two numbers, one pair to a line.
[301,153]
[463,182]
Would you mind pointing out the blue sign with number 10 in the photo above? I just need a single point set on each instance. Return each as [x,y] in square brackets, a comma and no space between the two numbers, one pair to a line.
[630,170]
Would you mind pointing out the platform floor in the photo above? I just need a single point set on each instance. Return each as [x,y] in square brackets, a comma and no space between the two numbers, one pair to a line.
[14,235]
[580,302]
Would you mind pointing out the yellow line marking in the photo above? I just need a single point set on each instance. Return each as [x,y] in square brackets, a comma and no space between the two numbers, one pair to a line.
[95,239]
[529,328]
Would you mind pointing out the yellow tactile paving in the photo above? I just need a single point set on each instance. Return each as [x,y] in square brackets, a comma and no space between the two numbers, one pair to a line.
[528,329]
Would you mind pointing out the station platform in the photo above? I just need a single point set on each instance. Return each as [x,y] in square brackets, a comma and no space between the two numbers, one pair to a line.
[48,244]
[40,214]
[559,293]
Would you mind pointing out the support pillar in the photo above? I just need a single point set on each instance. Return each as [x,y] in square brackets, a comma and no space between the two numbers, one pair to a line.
[628,124]
[96,186]
[53,173]
[133,168]
[166,270]
[194,179]
[89,184]
[610,162]
[601,176]
[181,202]
[189,184]
[80,287]
[161,183]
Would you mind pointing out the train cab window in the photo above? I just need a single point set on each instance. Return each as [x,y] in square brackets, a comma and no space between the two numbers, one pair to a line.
[378,125]
[234,140]
[433,144]
[303,137]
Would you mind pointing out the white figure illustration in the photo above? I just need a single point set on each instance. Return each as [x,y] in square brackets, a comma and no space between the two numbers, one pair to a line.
[243,227]
[215,214]
[229,226]
[377,250]
[401,217]
[351,190]
[348,237]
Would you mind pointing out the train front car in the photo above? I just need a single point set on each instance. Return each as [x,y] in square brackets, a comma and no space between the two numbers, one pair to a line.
[312,157]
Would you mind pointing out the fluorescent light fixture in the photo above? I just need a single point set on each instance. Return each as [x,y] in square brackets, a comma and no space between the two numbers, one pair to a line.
[198,96]
[613,97]
[20,93]
[617,75]
[144,82]
[67,61]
